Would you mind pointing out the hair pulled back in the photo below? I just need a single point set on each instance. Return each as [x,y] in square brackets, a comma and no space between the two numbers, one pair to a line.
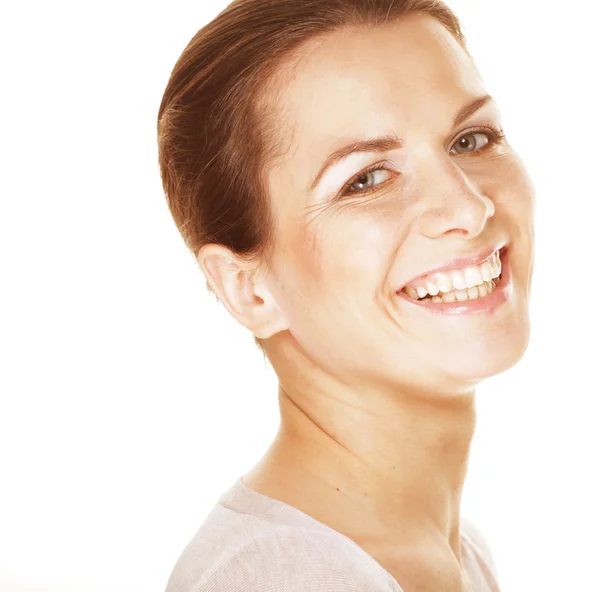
[216,137]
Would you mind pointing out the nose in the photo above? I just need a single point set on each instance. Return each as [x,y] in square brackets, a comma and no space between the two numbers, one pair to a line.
[454,203]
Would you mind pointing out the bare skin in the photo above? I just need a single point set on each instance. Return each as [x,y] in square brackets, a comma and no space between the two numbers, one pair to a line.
[377,397]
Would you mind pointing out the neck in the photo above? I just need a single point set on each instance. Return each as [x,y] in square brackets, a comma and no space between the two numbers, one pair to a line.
[377,466]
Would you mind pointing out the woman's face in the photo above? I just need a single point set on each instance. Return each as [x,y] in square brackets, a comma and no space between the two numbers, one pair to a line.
[349,238]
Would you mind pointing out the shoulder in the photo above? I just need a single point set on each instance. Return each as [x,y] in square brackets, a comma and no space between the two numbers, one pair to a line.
[277,558]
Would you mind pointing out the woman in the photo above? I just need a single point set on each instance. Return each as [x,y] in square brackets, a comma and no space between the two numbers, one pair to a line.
[341,174]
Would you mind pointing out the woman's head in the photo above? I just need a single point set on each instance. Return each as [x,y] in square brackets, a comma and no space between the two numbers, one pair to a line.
[310,251]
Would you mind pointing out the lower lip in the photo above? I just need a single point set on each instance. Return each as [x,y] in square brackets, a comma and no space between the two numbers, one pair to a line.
[489,303]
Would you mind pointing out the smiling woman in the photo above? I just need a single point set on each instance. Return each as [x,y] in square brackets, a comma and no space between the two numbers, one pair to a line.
[367,220]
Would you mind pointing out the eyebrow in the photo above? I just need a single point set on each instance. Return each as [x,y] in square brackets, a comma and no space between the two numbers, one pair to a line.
[391,142]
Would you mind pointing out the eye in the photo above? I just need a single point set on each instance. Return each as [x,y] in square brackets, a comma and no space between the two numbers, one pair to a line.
[476,140]
[367,180]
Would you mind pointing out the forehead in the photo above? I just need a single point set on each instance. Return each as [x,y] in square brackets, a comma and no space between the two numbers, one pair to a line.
[362,81]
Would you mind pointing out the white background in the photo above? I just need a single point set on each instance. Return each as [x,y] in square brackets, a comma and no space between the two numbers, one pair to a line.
[130,401]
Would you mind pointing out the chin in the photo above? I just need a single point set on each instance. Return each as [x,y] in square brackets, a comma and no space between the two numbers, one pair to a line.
[488,357]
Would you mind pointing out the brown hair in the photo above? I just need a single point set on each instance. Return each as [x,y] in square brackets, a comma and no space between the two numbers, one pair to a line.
[215,137]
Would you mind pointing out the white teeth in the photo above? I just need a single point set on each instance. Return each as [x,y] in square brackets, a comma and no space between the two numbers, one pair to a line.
[473,293]
[445,283]
[433,289]
[470,280]
[486,272]
[458,279]
[495,268]
[473,276]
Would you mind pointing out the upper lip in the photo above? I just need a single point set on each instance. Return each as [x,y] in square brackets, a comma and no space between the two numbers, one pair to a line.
[460,262]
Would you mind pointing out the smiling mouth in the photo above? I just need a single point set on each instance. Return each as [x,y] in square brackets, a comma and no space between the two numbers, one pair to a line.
[458,285]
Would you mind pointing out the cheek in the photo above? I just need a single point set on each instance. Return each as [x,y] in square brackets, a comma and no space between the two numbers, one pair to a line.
[353,250]
[507,183]
[526,188]
[514,186]
[515,206]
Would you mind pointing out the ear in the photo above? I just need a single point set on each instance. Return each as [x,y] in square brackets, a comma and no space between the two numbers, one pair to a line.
[242,289]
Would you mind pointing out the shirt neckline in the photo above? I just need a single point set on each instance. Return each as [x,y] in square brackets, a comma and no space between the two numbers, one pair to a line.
[276,510]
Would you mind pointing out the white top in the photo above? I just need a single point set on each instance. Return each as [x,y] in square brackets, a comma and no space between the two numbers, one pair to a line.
[250,542]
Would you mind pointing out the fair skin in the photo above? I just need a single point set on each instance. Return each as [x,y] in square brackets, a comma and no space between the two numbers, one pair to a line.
[377,396]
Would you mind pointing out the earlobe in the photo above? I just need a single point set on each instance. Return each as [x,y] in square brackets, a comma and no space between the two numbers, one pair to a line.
[237,286]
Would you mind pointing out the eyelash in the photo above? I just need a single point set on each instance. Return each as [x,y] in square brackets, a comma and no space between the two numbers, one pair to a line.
[495,135]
